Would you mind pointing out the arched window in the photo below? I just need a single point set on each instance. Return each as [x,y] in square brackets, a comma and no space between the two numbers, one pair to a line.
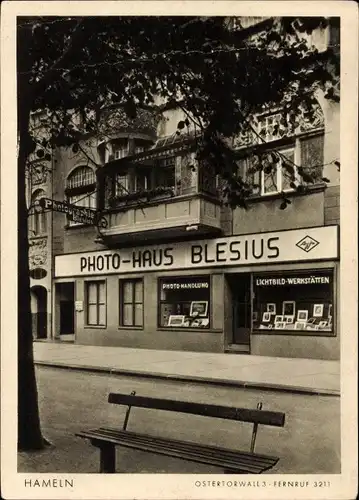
[38,218]
[80,189]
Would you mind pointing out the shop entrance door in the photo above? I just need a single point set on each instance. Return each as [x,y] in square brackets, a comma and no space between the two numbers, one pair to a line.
[67,322]
[241,306]
[66,300]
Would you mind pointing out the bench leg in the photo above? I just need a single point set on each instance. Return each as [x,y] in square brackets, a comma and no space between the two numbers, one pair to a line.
[107,458]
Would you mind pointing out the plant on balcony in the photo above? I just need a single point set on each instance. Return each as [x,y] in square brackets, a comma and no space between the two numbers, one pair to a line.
[143,195]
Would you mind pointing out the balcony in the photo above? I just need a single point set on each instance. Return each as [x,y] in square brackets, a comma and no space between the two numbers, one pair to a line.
[172,199]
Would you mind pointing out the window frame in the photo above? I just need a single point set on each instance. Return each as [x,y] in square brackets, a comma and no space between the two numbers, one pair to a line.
[279,171]
[146,175]
[122,188]
[121,151]
[295,140]
[165,163]
[298,332]
[204,277]
[98,282]
[79,191]
[121,303]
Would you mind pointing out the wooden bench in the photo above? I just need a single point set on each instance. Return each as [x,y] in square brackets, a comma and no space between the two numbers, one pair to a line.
[232,461]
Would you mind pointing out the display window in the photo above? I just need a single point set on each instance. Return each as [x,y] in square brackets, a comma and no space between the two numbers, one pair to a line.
[300,301]
[184,302]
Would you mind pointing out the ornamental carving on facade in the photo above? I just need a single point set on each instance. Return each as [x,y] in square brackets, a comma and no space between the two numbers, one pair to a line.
[37,252]
[38,173]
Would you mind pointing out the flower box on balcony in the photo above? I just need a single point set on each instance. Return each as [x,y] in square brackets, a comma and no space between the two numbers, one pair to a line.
[143,196]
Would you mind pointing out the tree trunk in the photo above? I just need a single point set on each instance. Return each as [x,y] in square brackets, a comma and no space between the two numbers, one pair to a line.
[29,431]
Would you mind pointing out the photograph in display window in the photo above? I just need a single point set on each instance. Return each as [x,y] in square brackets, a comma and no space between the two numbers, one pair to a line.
[302,304]
[176,320]
[289,319]
[318,310]
[199,308]
[271,308]
[302,316]
[288,308]
[266,317]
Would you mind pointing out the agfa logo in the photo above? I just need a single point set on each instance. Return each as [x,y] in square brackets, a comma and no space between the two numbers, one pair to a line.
[307,243]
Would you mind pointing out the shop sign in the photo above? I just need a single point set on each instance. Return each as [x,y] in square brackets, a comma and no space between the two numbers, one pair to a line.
[250,249]
[187,285]
[294,280]
[81,215]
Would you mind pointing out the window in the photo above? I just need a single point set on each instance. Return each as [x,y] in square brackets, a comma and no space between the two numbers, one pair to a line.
[165,172]
[80,189]
[184,302]
[121,184]
[38,219]
[305,153]
[95,303]
[266,127]
[279,179]
[81,176]
[131,302]
[301,301]
[142,179]
[120,152]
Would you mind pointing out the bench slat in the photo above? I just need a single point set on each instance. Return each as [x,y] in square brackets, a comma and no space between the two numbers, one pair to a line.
[226,412]
[229,453]
[187,449]
[181,449]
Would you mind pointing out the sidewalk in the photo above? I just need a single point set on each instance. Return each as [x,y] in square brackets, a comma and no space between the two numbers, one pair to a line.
[289,374]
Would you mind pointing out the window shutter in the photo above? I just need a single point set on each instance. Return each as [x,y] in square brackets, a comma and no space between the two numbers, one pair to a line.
[312,156]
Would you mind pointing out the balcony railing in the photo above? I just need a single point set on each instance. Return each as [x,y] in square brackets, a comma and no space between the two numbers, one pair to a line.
[141,185]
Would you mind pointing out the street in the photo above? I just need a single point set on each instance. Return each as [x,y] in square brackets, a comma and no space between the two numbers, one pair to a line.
[71,401]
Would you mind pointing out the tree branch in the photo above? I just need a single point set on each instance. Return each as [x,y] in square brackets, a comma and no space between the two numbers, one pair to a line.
[41,84]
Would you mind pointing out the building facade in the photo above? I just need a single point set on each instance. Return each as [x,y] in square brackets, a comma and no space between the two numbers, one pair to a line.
[172,267]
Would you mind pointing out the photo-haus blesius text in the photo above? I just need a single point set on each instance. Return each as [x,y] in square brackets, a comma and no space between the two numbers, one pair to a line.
[136,248]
